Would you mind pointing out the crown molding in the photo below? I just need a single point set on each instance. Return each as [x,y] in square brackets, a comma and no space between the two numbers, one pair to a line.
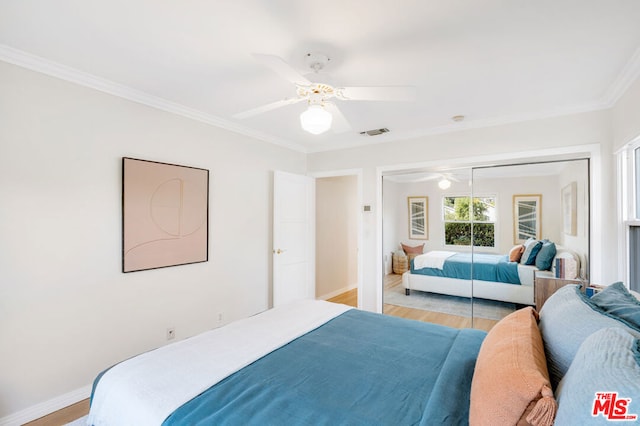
[63,72]
[470,125]
[626,78]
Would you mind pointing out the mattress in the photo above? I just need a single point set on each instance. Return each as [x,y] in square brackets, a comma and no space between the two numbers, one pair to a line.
[485,267]
[356,368]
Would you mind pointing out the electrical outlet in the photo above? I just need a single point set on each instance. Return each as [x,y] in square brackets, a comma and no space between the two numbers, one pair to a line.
[171,333]
[220,318]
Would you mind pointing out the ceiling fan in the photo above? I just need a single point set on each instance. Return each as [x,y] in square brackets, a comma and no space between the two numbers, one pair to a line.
[321,114]
[444,178]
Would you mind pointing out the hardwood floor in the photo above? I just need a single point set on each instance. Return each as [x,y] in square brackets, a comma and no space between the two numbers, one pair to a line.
[63,416]
[455,321]
[350,298]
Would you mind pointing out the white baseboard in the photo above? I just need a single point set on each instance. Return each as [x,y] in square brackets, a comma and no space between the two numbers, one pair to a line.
[337,292]
[47,407]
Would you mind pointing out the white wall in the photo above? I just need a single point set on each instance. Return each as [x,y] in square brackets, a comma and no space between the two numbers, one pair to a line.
[337,213]
[66,310]
[575,172]
[626,116]
[626,125]
[502,189]
[396,217]
[505,189]
[391,232]
[515,138]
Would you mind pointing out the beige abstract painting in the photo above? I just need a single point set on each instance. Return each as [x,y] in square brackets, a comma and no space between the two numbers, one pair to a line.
[164,215]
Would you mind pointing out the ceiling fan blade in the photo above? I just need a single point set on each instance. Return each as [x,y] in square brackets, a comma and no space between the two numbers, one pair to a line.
[427,178]
[382,93]
[267,107]
[339,122]
[413,177]
[282,68]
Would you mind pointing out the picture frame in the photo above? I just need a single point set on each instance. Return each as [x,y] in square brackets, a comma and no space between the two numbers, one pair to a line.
[527,217]
[569,196]
[418,208]
[165,215]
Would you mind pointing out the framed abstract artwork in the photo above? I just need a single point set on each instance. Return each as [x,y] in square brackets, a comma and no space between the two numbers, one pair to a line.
[527,221]
[165,215]
[418,214]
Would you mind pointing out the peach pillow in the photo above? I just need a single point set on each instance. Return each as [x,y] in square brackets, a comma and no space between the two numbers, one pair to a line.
[413,250]
[511,383]
[516,253]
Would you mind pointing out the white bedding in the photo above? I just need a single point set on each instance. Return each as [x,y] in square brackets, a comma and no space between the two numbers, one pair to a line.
[433,259]
[146,389]
[513,293]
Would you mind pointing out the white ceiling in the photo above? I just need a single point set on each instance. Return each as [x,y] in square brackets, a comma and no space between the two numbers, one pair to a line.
[481,172]
[493,61]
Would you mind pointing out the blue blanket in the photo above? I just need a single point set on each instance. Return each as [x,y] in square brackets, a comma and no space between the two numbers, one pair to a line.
[486,267]
[358,369]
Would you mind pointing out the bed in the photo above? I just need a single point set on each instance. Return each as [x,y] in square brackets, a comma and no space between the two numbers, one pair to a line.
[494,276]
[330,364]
[243,374]
[451,280]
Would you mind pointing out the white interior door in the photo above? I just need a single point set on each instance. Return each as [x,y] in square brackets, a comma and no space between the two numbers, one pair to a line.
[293,238]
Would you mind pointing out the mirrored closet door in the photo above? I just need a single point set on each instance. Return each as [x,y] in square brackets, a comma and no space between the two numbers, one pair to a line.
[541,232]
[454,240]
[426,220]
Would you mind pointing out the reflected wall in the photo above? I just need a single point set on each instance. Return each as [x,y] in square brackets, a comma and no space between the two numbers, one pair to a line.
[480,204]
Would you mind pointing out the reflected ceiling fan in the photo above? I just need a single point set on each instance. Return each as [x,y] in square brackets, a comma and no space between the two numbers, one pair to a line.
[444,178]
[321,114]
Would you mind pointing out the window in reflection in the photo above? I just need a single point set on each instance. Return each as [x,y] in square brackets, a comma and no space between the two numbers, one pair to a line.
[465,273]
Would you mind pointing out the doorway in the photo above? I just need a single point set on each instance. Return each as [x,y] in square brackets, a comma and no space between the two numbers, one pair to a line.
[337,238]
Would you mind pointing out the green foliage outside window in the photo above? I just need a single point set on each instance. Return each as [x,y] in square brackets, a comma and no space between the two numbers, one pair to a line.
[457,227]
[459,234]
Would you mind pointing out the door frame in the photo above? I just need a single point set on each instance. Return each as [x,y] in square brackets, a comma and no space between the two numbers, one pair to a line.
[359,181]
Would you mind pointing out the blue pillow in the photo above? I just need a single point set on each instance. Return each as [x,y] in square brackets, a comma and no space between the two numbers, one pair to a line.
[545,256]
[616,301]
[567,318]
[531,249]
[607,362]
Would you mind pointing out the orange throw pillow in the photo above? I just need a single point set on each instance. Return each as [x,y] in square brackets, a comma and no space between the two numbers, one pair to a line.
[511,383]
[412,250]
[516,253]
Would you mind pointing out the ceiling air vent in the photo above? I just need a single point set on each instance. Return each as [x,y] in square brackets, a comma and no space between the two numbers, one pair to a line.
[375,132]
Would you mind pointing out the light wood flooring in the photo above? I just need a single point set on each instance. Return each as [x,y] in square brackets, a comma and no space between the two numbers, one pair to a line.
[63,416]
[350,298]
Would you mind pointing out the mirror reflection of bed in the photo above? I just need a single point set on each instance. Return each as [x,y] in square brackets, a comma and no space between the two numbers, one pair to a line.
[541,207]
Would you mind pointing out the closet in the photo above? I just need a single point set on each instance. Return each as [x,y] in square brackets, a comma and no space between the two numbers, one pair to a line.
[481,212]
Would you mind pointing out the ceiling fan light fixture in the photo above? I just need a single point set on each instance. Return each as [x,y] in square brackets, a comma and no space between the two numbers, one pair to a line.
[444,183]
[316,119]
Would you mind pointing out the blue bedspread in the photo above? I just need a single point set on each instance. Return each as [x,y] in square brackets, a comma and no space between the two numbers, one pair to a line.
[358,369]
[486,267]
